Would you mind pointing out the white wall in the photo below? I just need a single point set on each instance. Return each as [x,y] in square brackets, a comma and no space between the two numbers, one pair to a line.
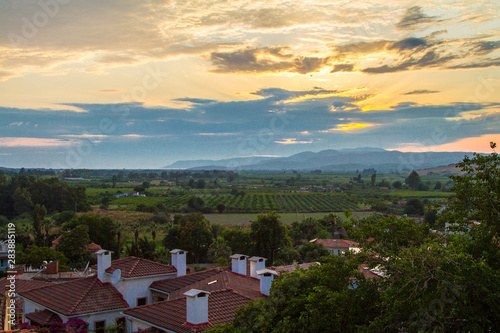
[29,307]
[131,289]
[108,316]
[135,325]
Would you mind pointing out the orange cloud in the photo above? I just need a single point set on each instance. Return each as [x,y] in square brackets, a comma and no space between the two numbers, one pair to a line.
[349,127]
[33,142]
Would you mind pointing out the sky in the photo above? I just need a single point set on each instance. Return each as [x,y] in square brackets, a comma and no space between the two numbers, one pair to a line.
[142,84]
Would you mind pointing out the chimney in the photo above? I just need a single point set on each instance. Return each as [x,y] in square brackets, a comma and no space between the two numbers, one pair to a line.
[239,264]
[179,261]
[266,279]
[196,306]
[256,264]
[103,263]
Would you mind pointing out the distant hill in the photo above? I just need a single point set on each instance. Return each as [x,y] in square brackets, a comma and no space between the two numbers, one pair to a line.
[333,160]
[441,170]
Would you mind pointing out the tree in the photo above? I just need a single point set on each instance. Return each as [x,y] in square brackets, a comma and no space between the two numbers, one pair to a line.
[74,245]
[154,228]
[118,230]
[309,301]
[310,252]
[136,229]
[238,238]
[414,207]
[35,256]
[200,184]
[397,184]
[22,201]
[413,179]
[373,179]
[221,207]
[102,230]
[39,214]
[268,234]
[191,234]
[218,249]
[114,179]
[196,203]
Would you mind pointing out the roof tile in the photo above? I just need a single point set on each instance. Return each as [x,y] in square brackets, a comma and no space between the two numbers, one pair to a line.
[210,280]
[76,297]
[171,315]
[137,267]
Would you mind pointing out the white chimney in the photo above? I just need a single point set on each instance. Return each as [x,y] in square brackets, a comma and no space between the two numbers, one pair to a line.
[256,264]
[266,279]
[196,306]
[103,263]
[179,261]
[239,264]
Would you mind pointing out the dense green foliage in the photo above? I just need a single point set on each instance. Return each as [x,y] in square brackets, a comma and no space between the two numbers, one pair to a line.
[427,282]
[21,193]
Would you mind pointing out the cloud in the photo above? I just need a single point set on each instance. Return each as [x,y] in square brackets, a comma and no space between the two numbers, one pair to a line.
[342,68]
[293,141]
[265,60]
[408,43]
[349,127]
[33,142]
[415,17]
[480,64]
[364,47]
[421,92]
[487,46]
[19,123]
[429,59]
[196,100]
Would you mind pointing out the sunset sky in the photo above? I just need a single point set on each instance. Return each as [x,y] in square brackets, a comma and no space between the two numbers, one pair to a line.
[142,84]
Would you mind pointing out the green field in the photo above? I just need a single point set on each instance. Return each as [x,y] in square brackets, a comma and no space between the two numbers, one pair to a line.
[249,203]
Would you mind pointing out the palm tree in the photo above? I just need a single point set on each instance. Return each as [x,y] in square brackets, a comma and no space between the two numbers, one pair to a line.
[136,228]
[154,229]
[218,249]
[118,230]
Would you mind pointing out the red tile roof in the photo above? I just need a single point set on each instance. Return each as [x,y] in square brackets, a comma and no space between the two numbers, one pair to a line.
[137,267]
[93,247]
[171,315]
[43,317]
[77,297]
[25,285]
[336,243]
[210,280]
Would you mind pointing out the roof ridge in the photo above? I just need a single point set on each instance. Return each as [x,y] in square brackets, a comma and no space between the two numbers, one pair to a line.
[134,265]
[80,300]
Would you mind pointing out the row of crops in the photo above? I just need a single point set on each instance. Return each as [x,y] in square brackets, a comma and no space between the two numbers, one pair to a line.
[250,202]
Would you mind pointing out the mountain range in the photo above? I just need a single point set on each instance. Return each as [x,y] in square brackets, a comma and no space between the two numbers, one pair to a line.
[333,160]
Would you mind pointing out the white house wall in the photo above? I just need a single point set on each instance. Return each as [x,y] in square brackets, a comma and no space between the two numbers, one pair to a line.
[108,316]
[132,289]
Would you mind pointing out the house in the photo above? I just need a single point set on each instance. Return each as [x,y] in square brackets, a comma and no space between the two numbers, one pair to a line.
[130,194]
[17,285]
[89,299]
[99,299]
[197,301]
[337,246]
[152,297]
